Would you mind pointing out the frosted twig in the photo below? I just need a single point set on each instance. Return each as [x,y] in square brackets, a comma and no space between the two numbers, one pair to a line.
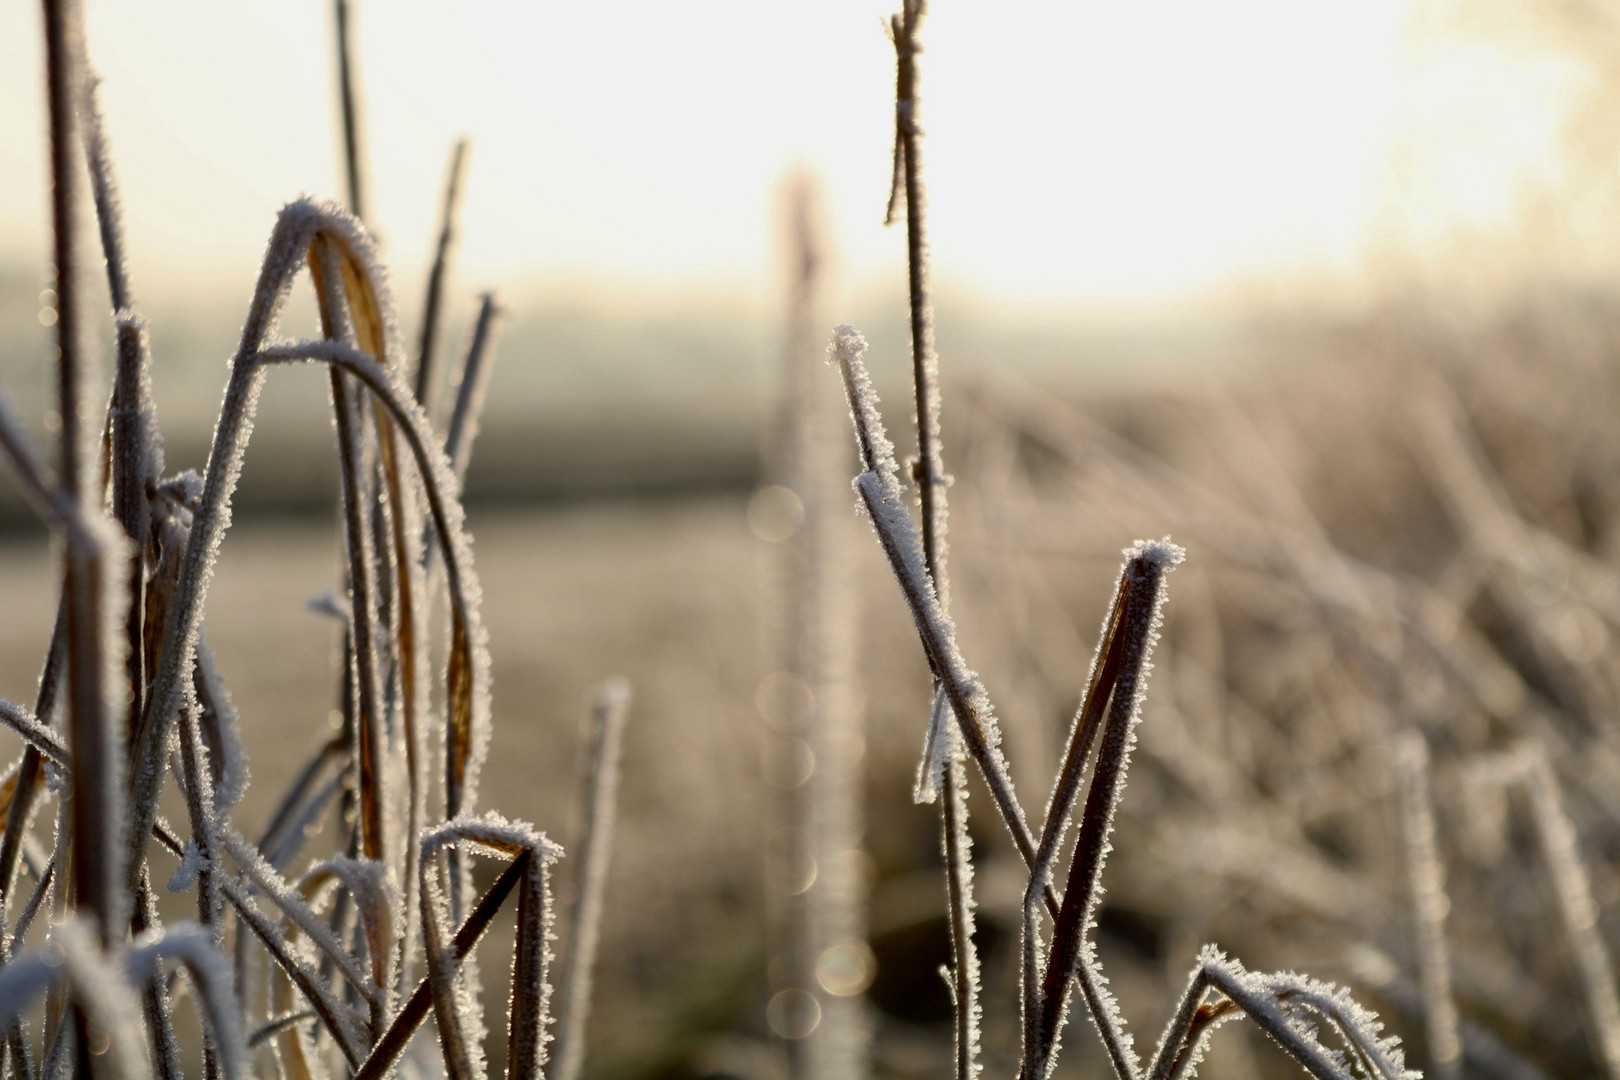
[64,73]
[1088,722]
[91,597]
[880,492]
[427,353]
[963,975]
[1284,1006]
[133,433]
[38,736]
[1427,882]
[198,789]
[137,456]
[938,743]
[297,226]
[95,596]
[595,845]
[1131,629]
[104,187]
[220,730]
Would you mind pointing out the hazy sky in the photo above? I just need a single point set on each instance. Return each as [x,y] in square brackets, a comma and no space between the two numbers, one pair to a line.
[1085,152]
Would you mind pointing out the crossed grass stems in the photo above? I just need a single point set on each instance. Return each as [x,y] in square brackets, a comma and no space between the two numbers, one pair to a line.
[1292,1009]
[358,949]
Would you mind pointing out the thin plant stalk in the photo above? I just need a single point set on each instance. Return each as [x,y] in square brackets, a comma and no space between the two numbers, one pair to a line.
[822,921]
[470,387]
[91,589]
[1427,886]
[931,480]
[590,889]
[427,351]
[1577,908]
[355,172]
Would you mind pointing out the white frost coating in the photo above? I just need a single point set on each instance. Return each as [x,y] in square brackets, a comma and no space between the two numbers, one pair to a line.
[1161,554]
[454,1004]
[374,898]
[184,488]
[959,849]
[877,452]
[96,983]
[879,490]
[940,744]
[1290,1007]
[901,543]
[192,946]
[232,766]
[455,1009]
[37,735]
[490,832]
[1105,1012]
[292,905]
[192,864]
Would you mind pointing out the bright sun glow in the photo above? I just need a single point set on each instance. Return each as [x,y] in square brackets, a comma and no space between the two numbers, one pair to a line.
[1083,153]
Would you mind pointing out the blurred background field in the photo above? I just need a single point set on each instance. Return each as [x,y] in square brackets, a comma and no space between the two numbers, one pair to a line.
[1328,297]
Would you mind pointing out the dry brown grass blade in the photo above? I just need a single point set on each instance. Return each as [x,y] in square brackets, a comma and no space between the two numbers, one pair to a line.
[467,676]
[348,319]
[459,737]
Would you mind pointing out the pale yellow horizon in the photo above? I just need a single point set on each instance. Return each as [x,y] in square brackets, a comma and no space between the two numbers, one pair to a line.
[1086,155]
